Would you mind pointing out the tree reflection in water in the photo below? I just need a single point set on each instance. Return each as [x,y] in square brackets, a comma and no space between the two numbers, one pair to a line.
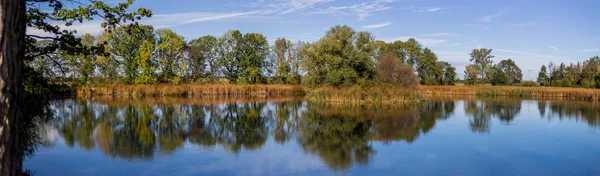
[342,136]
[482,112]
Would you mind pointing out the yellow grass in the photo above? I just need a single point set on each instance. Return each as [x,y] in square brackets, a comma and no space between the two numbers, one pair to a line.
[371,95]
[511,91]
[190,90]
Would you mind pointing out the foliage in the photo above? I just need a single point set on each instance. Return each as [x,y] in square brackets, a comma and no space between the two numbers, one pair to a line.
[471,75]
[543,76]
[341,58]
[202,55]
[506,73]
[124,43]
[390,70]
[170,49]
[482,60]
[146,64]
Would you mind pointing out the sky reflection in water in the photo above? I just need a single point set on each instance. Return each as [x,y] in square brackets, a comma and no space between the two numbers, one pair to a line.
[292,136]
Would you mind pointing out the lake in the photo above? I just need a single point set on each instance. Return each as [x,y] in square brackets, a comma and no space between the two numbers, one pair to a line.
[290,136]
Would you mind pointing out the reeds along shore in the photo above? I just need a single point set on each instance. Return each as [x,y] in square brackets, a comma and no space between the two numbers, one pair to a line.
[511,91]
[190,90]
[370,95]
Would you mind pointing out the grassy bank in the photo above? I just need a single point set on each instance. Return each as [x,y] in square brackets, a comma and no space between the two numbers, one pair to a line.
[371,95]
[509,91]
[190,90]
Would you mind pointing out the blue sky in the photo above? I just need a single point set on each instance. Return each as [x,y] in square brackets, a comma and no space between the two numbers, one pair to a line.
[531,32]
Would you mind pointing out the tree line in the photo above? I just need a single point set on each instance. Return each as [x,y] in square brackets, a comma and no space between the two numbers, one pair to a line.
[586,74]
[140,54]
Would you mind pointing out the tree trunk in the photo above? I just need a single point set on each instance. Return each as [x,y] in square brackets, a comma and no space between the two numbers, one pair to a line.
[12,52]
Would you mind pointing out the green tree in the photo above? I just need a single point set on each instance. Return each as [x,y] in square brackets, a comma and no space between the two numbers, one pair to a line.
[253,63]
[146,64]
[229,54]
[482,58]
[340,58]
[543,76]
[171,49]
[202,53]
[125,43]
[471,75]
[449,76]
[283,53]
[506,72]
[429,69]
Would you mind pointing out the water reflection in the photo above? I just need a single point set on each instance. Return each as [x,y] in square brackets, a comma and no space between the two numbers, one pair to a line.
[341,136]
[580,111]
[482,112]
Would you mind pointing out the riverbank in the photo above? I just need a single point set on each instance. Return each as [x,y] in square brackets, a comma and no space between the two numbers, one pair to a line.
[513,91]
[190,90]
[351,95]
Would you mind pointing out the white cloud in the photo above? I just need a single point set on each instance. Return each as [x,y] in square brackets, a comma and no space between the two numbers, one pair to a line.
[433,9]
[479,26]
[554,48]
[289,6]
[489,18]
[170,20]
[587,50]
[478,46]
[94,28]
[455,44]
[361,10]
[440,35]
[536,55]
[422,41]
[375,26]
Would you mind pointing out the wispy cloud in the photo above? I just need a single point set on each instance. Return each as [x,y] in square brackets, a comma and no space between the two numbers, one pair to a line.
[554,48]
[489,18]
[91,27]
[361,10]
[433,9]
[288,6]
[423,41]
[375,26]
[536,55]
[531,23]
[587,50]
[175,19]
[478,46]
[479,26]
[440,35]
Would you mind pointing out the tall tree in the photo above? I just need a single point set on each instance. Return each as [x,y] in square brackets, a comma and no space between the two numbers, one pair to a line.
[253,63]
[449,76]
[482,58]
[429,69]
[229,54]
[471,75]
[337,58]
[125,43]
[202,55]
[171,49]
[283,52]
[506,72]
[146,64]
[15,47]
[543,76]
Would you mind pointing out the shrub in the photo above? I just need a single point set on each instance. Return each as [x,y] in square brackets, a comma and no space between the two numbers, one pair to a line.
[390,70]
[528,84]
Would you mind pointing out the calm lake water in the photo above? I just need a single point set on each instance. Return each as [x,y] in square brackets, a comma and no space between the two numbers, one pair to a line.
[295,137]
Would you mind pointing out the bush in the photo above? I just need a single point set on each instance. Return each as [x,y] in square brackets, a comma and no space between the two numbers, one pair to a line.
[528,84]
[588,84]
[390,70]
